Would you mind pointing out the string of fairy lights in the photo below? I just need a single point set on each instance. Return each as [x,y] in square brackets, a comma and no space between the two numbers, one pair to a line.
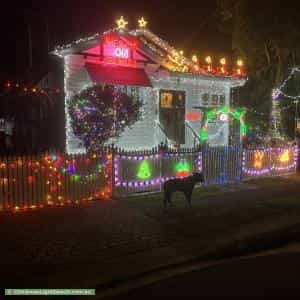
[25,89]
[259,113]
[54,179]
[279,91]
[275,119]
[172,59]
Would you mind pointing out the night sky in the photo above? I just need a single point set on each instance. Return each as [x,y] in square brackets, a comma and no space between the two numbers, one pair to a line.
[185,25]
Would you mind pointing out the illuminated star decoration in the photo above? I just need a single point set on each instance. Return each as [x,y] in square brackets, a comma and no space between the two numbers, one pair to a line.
[142,22]
[121,23]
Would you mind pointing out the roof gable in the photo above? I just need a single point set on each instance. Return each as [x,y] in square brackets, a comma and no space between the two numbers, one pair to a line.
[141,45]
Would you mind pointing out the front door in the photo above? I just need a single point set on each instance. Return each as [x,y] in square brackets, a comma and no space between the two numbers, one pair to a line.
[172,115]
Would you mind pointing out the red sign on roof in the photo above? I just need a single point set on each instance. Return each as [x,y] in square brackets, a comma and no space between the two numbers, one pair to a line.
[118,49]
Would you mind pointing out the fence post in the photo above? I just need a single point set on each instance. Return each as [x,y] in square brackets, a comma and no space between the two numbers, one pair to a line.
[112,149]
[223,159]
[204,163]
[160,164]
[240,162]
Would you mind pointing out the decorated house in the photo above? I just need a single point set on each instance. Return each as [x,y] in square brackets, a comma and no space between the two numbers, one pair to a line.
[131,88]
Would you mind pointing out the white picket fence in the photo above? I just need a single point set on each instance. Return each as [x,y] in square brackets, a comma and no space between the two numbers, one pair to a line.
[58,179]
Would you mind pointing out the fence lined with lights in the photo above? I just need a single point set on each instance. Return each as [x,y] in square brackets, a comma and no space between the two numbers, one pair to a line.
[147,171]
[222,164]
[269,161]
[31,182]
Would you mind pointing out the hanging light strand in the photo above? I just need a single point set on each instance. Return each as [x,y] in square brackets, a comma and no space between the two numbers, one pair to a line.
[277,92]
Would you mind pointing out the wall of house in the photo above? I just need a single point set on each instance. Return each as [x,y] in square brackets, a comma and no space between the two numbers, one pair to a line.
[76,78]
[146,133]
[195,89]
[139,136]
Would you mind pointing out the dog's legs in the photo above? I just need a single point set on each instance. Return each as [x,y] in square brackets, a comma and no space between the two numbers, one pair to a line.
[188,196]
[169,199]
[166,199]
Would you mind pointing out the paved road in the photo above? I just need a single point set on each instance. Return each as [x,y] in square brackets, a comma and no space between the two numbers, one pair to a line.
[275,276]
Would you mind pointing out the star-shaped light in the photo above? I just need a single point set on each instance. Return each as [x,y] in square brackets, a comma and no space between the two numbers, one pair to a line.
[142,22]
[121,23]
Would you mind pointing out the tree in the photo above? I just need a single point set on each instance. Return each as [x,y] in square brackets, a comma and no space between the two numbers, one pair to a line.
[267,36]
[144,171]
[99,113]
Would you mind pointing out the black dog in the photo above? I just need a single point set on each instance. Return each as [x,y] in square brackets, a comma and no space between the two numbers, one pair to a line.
[185,185]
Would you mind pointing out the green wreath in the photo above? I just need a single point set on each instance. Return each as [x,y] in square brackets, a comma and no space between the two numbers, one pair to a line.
[238,114]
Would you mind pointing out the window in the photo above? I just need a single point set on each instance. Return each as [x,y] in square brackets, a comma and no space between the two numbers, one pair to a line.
[221,100]
[214,100]
[166,100]
[205,99]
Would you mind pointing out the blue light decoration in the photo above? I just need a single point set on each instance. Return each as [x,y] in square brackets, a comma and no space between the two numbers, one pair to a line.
[222,164]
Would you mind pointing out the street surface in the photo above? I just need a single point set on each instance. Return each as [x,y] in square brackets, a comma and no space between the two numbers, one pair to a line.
[94,244]
[275,276]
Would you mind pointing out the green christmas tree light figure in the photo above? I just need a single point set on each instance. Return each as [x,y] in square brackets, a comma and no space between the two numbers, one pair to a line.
[144,171]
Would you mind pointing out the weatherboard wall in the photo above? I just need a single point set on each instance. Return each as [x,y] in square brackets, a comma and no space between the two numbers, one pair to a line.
[145,133]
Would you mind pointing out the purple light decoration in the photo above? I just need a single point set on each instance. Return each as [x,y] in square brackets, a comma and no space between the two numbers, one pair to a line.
[271,164]
[153,181]
[71,168]
[199,162]
[276,94]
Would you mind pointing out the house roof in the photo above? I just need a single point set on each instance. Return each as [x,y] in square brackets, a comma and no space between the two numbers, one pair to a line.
[157,50]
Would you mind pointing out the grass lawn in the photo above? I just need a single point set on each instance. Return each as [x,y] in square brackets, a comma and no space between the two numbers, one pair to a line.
[243,200]
[156,200]
[276,181]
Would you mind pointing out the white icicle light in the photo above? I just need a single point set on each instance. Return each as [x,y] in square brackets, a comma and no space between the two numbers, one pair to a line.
[279,90]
